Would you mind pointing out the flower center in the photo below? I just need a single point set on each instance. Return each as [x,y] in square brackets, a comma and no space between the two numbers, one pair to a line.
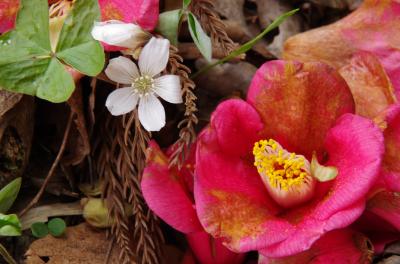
[143,85]
[286,175]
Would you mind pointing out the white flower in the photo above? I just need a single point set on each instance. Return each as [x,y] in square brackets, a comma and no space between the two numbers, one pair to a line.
[118,33]
[144,85]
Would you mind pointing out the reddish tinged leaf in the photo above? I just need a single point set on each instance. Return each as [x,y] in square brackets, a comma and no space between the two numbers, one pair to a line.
[78,145]
[210,250]
[386,205]
[299,103]
[373,27]
[339,246]
[8,13]
[369,84]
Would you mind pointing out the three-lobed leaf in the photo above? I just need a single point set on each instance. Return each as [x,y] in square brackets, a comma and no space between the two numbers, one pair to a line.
[27,63]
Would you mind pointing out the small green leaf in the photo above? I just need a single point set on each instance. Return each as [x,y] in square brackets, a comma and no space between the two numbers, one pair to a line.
[200,38]
[39,229]
[76,45]
[9,225]
[56,227]
[168,24]
[186,3]
[27,63]
[248,45]
[322,173]
[8,194]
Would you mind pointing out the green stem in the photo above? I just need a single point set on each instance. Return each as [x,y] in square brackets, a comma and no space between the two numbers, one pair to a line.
[248,45]
[6,256]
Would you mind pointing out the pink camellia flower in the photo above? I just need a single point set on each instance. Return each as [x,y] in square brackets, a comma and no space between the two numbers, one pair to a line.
[169,193]
[258,185]
[373,27]
[379,222]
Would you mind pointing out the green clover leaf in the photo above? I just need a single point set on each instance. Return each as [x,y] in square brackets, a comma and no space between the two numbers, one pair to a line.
[29,66]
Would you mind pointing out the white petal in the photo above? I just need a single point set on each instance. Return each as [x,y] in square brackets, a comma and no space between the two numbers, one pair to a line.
[151,113]
[121,101]
[168,87]
[154,57]
[122,70]
[114,32]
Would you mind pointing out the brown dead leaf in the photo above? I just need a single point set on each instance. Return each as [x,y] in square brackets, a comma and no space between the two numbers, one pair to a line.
[268,11]
[340,4]
[8,100]
[81,244]
[223,80]
[78,145]
[16,131]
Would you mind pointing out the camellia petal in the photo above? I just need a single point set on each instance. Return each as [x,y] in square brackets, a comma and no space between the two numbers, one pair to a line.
[339,246]
[154,57]
[166,194]
[8,13]
[151,113]
[298,103]
[122,70]
[369,84]
[141,12]
[168,87]
[121,101]
[373,27]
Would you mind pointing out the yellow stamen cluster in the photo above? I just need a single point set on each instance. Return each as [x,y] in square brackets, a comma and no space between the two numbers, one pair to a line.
[279,167]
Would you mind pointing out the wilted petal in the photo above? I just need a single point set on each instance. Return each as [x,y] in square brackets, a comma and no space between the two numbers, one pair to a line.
[373,27]
[122,70]
[118,33]
[8,13]
[142,12]
[386,204]
[151,113]
[340,246]
[299,103]
[154,56]
[166,194]
[121,101]
[369,84]
[168,87]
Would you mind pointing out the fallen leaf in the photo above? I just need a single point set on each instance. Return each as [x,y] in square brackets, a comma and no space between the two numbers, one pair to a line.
[78,145]
[80,244]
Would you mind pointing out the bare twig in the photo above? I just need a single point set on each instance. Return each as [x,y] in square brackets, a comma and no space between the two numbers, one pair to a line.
[53,166]
[212,24]
[6,256]
[187,134]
